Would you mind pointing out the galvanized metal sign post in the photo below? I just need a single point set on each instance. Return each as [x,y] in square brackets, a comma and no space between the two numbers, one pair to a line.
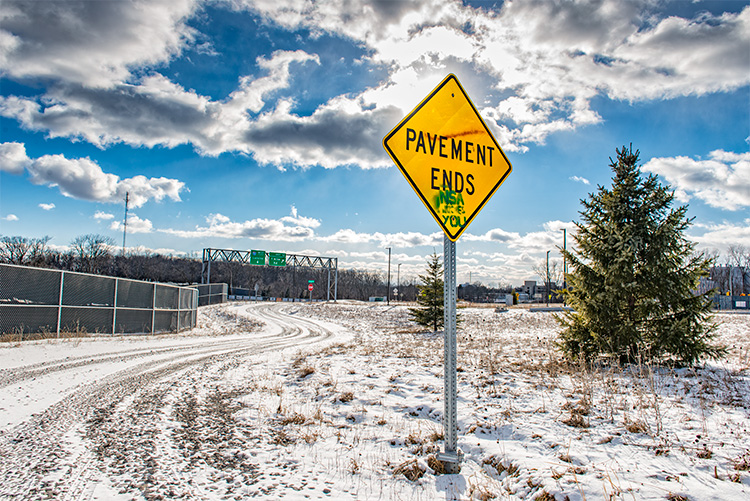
[448,155]
[451,455]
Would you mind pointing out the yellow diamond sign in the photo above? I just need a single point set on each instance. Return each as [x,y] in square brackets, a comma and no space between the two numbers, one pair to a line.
[448,155]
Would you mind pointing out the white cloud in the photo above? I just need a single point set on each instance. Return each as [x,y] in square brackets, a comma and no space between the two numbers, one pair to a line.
[82,178]
[10,217]
[579,179]
[494,235]
[535,66]
[220,226]
[295,219]
[47,206]
[135,225]
[722,180]
[539,242]
[93,43]
[720,236]
[103,215]
[398,240]
[13,158]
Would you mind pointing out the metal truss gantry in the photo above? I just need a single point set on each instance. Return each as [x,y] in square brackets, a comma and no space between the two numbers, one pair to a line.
[291,260]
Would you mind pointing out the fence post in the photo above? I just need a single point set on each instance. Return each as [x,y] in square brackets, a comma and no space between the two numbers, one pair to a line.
[59,302]
[153,310]
[114,312]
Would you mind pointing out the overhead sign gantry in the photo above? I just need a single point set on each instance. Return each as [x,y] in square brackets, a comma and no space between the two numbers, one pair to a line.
[280,259]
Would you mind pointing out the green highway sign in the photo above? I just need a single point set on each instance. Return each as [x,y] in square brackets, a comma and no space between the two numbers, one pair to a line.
[258,257]
[277,258]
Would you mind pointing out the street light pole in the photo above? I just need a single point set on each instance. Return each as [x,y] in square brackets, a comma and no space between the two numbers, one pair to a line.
[398,281]
[389,277]
[548,283]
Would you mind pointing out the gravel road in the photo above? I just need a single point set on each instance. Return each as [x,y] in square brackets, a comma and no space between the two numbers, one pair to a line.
[136,419]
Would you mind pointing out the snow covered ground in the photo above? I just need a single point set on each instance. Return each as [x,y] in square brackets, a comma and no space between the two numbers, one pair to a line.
[344,401]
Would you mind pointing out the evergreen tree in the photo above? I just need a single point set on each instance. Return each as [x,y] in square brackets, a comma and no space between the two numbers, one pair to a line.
[430,296]
[633,275]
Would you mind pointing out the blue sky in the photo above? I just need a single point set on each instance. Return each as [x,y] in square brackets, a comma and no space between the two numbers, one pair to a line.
[258,125]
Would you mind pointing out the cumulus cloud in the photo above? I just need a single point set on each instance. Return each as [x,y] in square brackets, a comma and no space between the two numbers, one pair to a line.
[295,219]
[163,113]
[549,239]
[13,158]
[494,235]
[135,225]
[84,179]
[722,180]
[538,65]
[579,179]
[220,226]
[47,206]
[91,43]
[103,215]
[400,239]
[721,235]
[10,217]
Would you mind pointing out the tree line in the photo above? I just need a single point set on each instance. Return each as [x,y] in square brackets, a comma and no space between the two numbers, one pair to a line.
[94,253]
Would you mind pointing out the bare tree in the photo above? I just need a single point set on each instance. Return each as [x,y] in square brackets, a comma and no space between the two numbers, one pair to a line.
[555,271]
[23,251]
[93,252]
[739,258]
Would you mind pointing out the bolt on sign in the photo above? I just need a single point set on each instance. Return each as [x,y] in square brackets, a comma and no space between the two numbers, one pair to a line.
[448,155]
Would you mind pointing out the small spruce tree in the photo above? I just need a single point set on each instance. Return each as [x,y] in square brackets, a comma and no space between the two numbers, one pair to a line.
[430,296]
[633,274]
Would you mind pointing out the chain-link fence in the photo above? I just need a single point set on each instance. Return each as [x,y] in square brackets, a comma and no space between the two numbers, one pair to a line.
[38,300]
[211,293]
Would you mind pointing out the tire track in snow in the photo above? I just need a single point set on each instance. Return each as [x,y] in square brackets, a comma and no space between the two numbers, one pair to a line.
[36,463]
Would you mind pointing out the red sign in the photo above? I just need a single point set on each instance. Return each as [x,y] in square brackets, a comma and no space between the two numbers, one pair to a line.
[309,287]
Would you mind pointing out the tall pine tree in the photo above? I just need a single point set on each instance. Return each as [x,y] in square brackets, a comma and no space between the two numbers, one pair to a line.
[430,297]
[633,275]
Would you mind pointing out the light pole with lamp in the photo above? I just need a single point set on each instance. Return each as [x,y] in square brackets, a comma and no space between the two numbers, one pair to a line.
[388,286]
[398,281]
[548,282]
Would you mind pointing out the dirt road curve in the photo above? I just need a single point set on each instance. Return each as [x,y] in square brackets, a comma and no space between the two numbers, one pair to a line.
[141,419]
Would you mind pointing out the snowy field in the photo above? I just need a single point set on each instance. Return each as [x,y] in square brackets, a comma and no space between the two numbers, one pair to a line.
[344,401]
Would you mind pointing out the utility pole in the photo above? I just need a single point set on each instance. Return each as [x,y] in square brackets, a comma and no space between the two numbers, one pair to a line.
[389,277]
[125,221]
[548,282]
[398,281]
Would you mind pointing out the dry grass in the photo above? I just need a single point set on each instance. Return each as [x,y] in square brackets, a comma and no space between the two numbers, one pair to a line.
[500,466]
[742,462]
[437,466]
[544,496]
[410,469]
[635,426]
[676,497]
[345,397]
